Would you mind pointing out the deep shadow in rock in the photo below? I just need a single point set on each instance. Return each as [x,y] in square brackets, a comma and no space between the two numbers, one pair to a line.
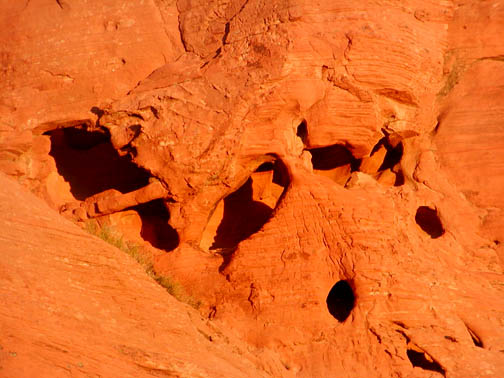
[248,208]
[155,227]
[428,220]
[330,157]
[242,217]
[90,164]
[302,131]
[341,300]
[335,162]
[392,159]
[393,156]
[475,338]
[421,360]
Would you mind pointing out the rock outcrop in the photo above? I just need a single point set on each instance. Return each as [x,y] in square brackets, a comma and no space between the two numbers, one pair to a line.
[327,178]
[75,306]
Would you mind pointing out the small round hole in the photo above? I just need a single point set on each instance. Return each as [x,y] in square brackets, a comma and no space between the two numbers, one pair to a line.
[428,220]
[341,300]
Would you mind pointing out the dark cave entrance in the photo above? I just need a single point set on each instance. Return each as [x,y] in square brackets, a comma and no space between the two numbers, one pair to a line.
[90,164]
[155,227]
[330,157]
[87,160]
[247,209]
[335,161]
[428,220]
[243,216]
[341,300]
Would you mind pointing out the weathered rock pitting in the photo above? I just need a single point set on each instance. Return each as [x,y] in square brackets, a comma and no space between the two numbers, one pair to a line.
[326,178]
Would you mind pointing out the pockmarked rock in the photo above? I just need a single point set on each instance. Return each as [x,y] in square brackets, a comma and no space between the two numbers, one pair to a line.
[325,178]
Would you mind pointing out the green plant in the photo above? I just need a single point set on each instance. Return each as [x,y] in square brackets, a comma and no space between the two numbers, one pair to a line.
[177,290]
[113,237]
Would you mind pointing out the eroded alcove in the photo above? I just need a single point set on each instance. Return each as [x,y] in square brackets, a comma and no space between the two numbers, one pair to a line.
[335,162]
[338,163]
[155,227]
[429,221]
[86,159]
[243,212]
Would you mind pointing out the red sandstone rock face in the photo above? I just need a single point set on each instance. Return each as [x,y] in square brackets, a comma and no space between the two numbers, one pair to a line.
[325,177]
[69,309]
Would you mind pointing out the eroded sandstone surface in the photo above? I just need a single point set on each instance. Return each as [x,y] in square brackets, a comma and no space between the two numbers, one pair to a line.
[327,178]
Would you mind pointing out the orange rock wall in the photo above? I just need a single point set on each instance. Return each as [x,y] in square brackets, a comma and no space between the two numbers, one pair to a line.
[381,127]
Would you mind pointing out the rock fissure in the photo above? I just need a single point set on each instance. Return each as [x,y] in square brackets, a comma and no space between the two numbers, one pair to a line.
[423,360]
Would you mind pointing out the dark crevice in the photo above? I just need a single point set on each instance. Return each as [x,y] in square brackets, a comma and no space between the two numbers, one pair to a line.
[475,338]
[424,361]
[155,227]
[280,175]
[216,55]
[335,162]
[393,157]
[248,208]
[227,256]
[97,111]
[242,217]
[226,33]
[302,132]
[341,300]
[87,160]
[79,138]
[264,167]
[429,221]
[330,157]
[226,28]
[435,130]
[400,324]
[399,179]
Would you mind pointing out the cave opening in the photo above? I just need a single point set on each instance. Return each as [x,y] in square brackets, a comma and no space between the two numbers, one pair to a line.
[245,211]
[155,227]
[330,157]
[423,361]
[335,161]
[302,131]
[87,160]
[341,300]
[243,216]
[429,221]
